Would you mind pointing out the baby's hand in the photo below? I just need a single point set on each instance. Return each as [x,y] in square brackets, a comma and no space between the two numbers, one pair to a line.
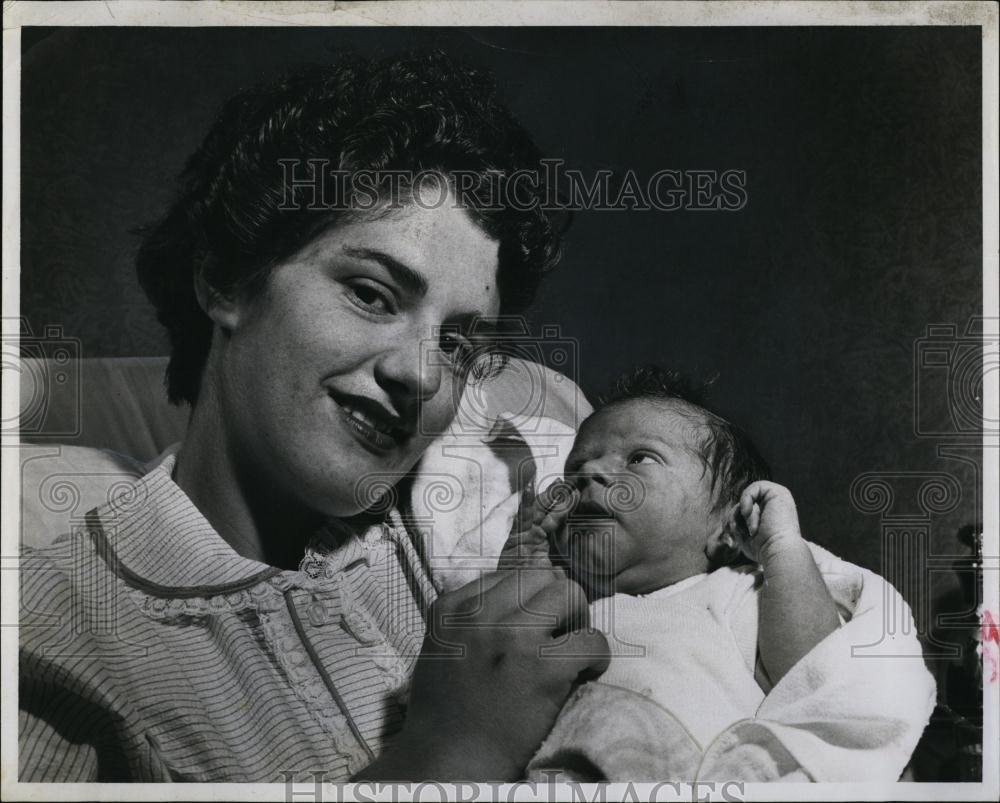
[766,520]
[538,520]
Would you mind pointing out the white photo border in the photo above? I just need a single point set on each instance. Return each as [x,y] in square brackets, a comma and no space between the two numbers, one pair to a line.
[568,13]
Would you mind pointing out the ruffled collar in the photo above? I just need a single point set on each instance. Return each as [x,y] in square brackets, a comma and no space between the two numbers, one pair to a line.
[156,537]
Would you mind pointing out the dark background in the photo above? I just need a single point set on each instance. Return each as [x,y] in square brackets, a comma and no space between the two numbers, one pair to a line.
[862,149]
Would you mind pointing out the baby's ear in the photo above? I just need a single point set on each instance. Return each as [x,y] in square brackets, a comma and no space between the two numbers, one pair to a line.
[723,545]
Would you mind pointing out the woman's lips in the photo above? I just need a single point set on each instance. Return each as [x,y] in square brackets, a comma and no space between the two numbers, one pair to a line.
[371,431]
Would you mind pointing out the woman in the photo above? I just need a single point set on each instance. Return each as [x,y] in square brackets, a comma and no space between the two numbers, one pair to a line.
[184,636]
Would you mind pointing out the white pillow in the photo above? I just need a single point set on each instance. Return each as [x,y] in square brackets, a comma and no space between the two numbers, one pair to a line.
[60,484]
[463,497]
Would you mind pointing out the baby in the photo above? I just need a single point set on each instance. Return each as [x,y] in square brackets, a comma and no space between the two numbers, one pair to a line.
[723,622]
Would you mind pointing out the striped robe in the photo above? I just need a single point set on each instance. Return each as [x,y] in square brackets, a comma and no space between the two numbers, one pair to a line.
[151,651]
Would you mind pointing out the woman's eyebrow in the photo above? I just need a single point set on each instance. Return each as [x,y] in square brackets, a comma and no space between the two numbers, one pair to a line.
[411,281]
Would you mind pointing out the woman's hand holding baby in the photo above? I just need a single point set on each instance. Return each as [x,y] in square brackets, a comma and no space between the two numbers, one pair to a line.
[500,658]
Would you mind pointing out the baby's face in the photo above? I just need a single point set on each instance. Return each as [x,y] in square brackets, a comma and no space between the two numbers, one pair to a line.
[646,506]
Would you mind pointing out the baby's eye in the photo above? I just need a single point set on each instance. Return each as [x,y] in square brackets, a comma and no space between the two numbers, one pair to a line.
[639,458]
[371,297]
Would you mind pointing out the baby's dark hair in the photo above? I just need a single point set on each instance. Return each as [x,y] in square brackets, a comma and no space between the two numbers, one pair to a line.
[725,448]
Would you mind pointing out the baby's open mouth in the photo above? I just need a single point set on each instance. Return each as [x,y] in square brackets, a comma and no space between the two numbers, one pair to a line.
[588,510]
[587,553]
[589,523]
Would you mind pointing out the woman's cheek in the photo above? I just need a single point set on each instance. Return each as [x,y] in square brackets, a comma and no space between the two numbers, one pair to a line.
[438,412]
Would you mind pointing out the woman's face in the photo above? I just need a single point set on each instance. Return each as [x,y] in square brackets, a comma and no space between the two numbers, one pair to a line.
[333,376]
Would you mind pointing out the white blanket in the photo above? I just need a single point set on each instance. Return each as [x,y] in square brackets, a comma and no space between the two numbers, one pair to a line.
[852,710]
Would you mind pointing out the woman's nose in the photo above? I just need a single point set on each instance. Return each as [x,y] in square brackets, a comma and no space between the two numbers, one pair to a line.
[409,372]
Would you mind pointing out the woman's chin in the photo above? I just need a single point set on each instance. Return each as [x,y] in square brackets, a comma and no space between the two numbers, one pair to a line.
[362,484]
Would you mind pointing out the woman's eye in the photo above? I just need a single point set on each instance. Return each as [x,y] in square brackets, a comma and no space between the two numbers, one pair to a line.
[639,458]
[456,348]
[371,298]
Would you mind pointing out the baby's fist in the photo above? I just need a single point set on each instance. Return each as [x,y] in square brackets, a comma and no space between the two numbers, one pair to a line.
[766,518]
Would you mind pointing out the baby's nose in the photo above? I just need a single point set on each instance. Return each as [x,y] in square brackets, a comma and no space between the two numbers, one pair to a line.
[591,472]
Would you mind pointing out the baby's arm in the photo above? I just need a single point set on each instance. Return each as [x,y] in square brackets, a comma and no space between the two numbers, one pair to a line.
[796,610]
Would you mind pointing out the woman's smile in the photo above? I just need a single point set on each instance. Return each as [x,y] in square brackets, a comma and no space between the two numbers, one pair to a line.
[375,427]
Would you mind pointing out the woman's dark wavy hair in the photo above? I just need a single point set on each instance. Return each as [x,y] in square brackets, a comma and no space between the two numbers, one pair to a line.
[420,112]
[725,449]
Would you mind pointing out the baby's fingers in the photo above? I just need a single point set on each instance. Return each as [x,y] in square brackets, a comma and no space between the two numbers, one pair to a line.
[553,523]
[760,492]
[527,510]
[751,501]
[747,501]
[558,498]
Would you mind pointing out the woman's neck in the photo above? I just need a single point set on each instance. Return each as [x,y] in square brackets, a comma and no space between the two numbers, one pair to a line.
[255,520]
